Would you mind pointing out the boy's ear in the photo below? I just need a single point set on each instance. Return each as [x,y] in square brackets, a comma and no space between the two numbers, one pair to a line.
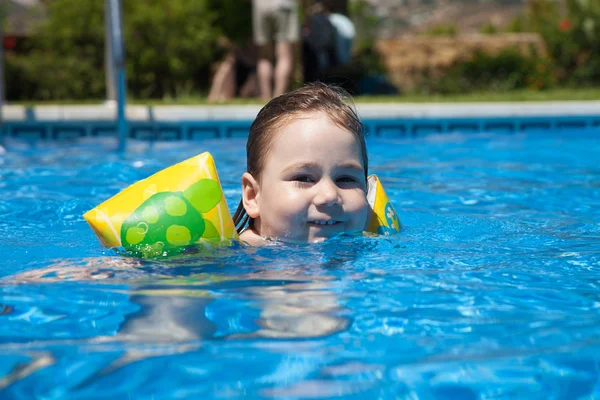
[250,195]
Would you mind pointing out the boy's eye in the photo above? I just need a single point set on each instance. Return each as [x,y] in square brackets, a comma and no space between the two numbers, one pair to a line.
[347,179]
[350,182]
[303,179]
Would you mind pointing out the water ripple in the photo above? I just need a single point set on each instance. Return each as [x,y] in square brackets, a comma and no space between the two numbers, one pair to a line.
[491,290]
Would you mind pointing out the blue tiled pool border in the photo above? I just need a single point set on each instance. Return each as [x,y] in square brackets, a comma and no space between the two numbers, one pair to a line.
[195,130]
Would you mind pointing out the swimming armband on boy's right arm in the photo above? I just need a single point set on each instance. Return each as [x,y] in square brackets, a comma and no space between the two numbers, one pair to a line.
[383,218]
[178,206]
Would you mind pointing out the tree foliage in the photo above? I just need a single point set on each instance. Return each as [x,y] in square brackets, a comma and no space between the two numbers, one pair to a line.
[505,71]
[169,46]
[571,31]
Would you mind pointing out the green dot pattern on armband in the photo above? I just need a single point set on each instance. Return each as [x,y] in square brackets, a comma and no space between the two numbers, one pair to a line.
[164,220]
[168,221]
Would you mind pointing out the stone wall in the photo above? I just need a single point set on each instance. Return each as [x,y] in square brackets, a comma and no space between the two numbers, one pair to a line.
[409,58]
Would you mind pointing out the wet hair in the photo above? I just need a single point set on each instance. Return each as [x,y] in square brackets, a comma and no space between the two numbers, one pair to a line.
[317,97]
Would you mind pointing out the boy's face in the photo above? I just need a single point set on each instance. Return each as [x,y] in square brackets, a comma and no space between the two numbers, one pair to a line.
[313,183]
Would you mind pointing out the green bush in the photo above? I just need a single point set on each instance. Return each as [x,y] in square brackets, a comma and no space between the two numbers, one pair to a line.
[442,30]
[169,45]
[517,25]
[506,71]
[584,20]
[489,29]
[233,19]
[366,24]
[366,60]
[66,60]
[572,37]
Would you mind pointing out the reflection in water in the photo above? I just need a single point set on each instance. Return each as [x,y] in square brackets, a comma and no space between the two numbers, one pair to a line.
[294,301]
[167,318]
[183,303]
[297,310]
[173,312]
[87,269]
[6,309]
[21,371]
[287,306]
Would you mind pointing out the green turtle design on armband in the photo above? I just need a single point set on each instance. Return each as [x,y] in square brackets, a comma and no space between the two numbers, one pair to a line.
[168,221]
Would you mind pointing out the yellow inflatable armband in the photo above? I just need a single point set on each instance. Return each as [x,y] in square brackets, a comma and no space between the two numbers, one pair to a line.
[176,207]
[383,219]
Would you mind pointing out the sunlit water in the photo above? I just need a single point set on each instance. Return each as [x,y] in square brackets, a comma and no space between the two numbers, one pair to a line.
[491,291]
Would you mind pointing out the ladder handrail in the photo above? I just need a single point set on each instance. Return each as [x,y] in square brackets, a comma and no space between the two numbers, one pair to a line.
[113,8]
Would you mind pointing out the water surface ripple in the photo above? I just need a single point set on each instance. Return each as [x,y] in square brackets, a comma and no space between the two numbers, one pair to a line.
[492,291]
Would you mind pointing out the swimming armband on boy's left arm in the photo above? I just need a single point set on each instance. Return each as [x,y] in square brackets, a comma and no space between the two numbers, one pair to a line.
[383,218]
[176,207]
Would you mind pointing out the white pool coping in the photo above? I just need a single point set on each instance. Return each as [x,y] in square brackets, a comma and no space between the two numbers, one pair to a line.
[107,112]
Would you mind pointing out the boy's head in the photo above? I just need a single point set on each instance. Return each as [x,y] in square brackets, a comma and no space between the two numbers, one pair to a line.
[307,167]
[301,103]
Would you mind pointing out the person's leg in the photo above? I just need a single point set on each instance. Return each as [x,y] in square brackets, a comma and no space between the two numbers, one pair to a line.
[262,33]
[284,66]
[224,81]
[250,86]
[288,32]
[228,89]
[264,71]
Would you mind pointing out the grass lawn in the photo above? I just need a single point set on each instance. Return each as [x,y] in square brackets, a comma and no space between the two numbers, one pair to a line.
[513,96]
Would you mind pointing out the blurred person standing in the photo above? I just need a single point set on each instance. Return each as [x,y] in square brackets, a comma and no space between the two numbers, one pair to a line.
[275,20]
[344,30]
[327,38]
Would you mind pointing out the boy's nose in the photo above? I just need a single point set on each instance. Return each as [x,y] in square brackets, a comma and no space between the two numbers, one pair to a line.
[327,195]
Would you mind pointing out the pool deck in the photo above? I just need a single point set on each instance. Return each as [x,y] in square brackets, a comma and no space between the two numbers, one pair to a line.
[193,122]
[248,112]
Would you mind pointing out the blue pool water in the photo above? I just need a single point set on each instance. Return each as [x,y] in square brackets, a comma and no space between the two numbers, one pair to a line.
[492,291]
